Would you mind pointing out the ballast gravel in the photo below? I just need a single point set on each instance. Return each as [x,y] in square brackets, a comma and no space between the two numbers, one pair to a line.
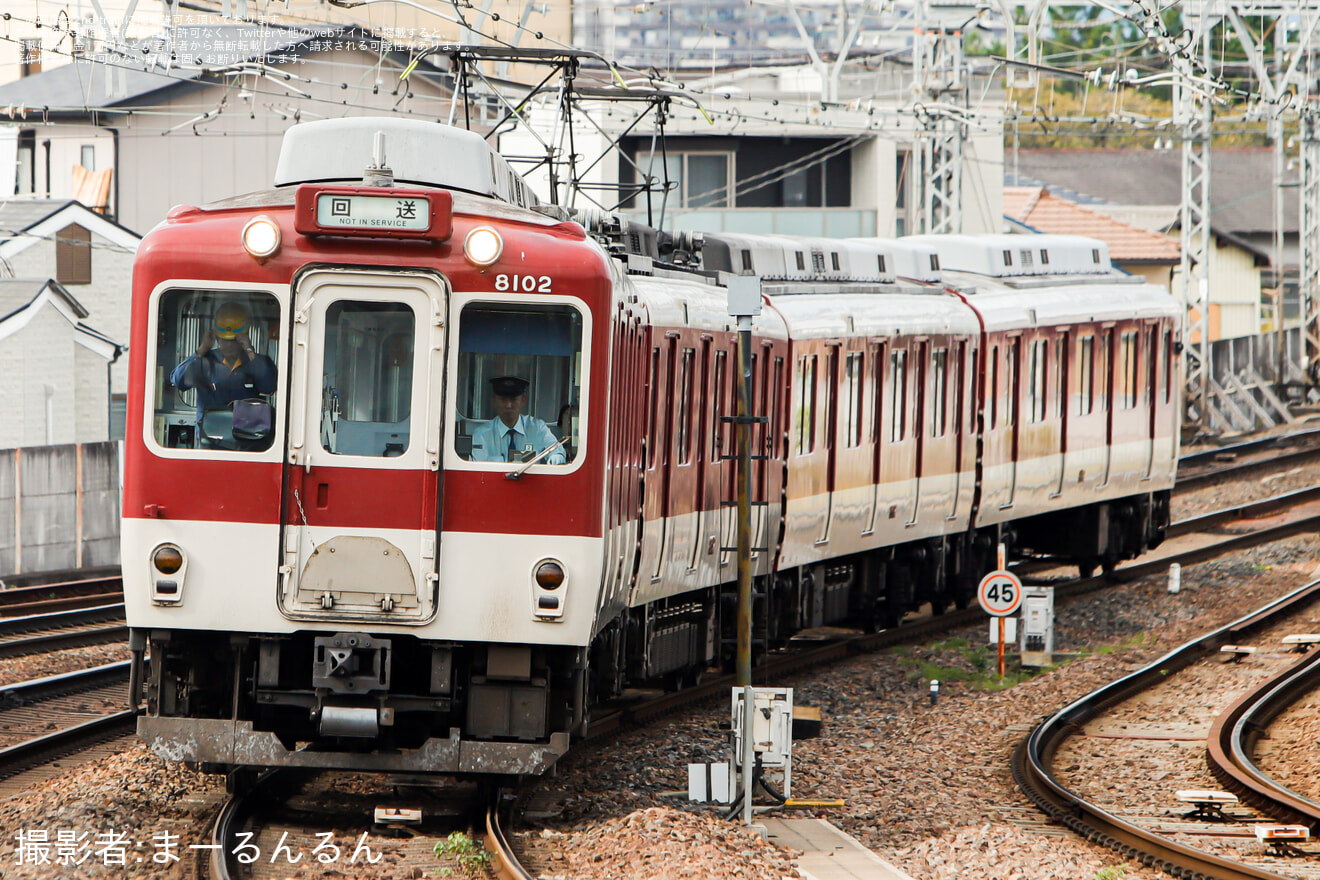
[925,786]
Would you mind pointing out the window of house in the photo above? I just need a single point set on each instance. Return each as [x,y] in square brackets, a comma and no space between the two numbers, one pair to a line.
[73,255]
[87,157]
[25,175]
[696,180]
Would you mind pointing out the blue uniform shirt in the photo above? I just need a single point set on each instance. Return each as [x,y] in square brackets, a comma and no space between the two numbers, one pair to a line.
[490,441]
[218,384]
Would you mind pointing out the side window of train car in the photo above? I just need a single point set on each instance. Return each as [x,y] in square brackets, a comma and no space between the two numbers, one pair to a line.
[684,431]
[939,400]
[519,382]
[1085,375]
[898,405]
[1166,379]
[994,386]
[1013,370]
[1127,360]
[1039,356]
[216,370]
[852,426]
[806,414]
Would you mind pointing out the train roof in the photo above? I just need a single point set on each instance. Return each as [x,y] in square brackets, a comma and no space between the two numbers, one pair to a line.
[419,154]
[859,312]
[1019,256]
[671,300]
[1122,298]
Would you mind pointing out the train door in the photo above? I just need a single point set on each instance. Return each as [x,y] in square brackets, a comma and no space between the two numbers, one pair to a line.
[831,435]
[1059,391]
[1013,411]
[920,394]
[361,490]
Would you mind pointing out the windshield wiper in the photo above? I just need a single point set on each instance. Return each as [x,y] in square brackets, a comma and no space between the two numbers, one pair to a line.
[517,475]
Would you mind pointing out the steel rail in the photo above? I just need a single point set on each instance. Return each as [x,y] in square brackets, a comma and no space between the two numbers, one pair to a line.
[61,630]
[66,741]
[1234,735]
[223,861]
[1249,510]
[1032,758]
[505,863]
[26,692]
[1281,444]
[100,586]
[58,577]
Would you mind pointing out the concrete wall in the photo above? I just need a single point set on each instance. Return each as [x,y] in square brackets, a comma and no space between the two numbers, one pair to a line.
[59,507]
[107,298]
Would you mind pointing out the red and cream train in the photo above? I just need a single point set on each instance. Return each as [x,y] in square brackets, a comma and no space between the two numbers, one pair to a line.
[325,576]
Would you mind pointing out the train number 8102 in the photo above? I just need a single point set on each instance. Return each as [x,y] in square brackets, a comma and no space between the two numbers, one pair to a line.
[523,283]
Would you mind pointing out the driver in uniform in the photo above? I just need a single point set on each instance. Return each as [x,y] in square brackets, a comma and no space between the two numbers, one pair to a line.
[512,436]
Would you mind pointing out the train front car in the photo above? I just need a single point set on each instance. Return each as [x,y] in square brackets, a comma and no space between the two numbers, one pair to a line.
[364,464]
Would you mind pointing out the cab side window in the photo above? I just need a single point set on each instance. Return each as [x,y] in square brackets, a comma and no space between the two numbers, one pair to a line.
[519,383]
[215,373]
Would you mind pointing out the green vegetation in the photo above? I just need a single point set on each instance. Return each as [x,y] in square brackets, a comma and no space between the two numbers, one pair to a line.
[1114,872]
[473,858]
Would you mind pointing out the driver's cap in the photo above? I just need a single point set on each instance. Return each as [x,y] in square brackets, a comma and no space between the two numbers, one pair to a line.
[231,319]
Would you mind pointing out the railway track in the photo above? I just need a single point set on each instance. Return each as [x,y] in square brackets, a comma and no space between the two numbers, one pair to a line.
[246,824]
[1231,745]
[60,630]
[32,599]
[1202,469]
[68,713]
[1033,760]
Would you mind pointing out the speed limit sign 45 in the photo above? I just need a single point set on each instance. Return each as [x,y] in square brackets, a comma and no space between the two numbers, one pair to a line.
[1000,593]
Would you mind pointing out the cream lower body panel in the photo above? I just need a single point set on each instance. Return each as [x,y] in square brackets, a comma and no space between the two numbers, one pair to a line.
[860,518]
[486,590]
[1037,480]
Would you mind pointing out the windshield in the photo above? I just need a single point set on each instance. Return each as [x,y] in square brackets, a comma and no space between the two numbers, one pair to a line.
[518,384]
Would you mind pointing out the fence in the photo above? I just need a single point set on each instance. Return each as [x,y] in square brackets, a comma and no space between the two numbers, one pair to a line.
[59,507]
[1247,375]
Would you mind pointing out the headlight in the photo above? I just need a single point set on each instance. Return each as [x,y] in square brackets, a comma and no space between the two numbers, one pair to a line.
[261,237]
[167,559]
[483,246]
[549,575]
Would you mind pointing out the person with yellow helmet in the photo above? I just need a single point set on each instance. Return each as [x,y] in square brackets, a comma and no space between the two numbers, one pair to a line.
[225,368]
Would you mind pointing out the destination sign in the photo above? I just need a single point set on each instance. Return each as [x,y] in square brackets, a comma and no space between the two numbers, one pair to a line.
[346,211]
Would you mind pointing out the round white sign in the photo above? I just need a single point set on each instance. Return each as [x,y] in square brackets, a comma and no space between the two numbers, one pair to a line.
[1000,593]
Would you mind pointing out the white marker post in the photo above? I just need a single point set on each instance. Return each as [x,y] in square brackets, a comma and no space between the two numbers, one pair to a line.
[1000,594]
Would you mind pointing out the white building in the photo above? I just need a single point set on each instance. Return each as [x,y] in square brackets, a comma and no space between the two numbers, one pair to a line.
[54,369]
